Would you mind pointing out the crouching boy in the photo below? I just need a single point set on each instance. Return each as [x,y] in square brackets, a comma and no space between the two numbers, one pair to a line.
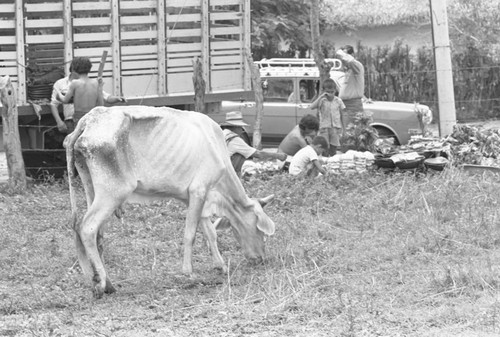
[306,161]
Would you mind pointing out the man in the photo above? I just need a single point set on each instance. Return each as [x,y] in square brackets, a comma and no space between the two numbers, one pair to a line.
[61,86]
[300,136]
[238,149]
[352,86]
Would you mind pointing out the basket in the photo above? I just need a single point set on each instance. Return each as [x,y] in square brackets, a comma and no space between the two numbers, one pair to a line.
[383,162]
[410,164]
[437,164]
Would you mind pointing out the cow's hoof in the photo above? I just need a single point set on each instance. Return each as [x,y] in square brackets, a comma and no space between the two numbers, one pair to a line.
[98,292]
[109,289]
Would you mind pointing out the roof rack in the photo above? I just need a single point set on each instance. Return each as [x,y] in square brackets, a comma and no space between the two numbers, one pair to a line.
[293,62]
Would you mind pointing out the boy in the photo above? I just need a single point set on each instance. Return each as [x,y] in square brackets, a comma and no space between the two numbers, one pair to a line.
[85,92]
[329,113]
[307,161]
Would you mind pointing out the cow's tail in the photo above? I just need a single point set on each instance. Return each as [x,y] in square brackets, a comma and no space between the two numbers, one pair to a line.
[69,144]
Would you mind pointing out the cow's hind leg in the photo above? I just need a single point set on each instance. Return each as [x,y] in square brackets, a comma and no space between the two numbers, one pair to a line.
[109,288]
[211,235]
[100,210]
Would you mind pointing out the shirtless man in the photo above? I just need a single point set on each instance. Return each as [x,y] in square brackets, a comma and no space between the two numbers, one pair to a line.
[300,136]
[67,125]
[85,92]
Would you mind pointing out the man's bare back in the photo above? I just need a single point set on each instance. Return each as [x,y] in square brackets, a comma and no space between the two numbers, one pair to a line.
[85,92]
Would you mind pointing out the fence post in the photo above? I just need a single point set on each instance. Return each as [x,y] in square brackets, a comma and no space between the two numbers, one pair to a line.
[444,75]
[11,139]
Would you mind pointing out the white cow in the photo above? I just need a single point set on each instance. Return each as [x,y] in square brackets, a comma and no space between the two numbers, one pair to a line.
[138,153]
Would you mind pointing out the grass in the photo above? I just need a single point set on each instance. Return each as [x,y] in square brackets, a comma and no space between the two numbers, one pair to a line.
[361,255]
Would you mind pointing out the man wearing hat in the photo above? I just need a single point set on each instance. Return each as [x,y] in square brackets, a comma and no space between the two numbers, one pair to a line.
[239,150]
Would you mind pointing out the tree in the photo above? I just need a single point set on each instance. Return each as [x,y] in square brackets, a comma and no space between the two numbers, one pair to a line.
[280,28]
[323,66]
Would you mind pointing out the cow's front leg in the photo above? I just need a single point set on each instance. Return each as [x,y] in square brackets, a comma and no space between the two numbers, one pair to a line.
[211,235]
[196,201]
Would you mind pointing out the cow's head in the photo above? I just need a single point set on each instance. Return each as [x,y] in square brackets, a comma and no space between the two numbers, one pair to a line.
[253,226]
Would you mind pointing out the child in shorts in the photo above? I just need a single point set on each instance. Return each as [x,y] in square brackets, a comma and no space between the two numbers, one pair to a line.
[330,108]
[306,160]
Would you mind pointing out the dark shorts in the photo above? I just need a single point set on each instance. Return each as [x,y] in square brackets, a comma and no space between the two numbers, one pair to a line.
[352,107]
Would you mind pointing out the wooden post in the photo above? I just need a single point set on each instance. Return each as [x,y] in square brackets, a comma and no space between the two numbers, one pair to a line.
[100,97]
[199,86]
[11,139]
[259,100]
[444,75]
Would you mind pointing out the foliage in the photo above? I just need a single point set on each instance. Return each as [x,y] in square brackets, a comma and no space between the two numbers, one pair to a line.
[475,145]
[280,28]
[360,136]
[358,255]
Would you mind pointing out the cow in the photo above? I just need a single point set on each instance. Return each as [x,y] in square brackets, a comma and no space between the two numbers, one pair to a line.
[139,154]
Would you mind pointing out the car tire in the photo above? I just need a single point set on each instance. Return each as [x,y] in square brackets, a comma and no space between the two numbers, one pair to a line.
[386,133]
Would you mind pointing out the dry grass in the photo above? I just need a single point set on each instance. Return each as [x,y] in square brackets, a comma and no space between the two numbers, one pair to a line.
[371,255]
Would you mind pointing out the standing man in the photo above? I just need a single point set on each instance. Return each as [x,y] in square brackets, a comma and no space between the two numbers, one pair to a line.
[352,85]
[238,149]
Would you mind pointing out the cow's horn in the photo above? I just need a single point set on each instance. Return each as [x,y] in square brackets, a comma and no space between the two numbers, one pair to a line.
[264,201]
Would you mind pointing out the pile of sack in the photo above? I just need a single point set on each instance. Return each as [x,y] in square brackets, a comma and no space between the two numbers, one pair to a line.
[350,162]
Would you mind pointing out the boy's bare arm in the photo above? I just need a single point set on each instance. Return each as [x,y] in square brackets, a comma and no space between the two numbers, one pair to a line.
[319,166]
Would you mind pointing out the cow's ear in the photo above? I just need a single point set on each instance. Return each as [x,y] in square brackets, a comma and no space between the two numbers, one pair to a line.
[264,201]
[266,225]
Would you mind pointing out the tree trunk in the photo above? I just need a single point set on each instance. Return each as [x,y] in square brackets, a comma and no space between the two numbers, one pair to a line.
[199,86]
[11,139]
[323,66]
[259,100]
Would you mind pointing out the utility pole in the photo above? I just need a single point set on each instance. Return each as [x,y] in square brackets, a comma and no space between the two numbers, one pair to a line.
[442,60]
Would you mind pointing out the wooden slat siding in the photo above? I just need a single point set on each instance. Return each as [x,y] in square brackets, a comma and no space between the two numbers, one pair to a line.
[182,47]
[205,43]
[140,72]
[79,22]
[6,40]
[225,45]
[68,34]
[179,33]
[183,62]
[139,20]
[86,37]
[225,60]
[140,35]
[91,6]
[224,2]
[137,57]
[44,7]
[141,64]
[172,18]
[232,30]
[226,80]
[8,24]
[247,45]
[7,8]
[180,82]
[45,39]
[115,47]
[139,85]
[161,51]
[93,53]
[9,70]
[21,73]
[44,23]
[217,16]
[138,50]
[183,3]
[7,55]
[125,5]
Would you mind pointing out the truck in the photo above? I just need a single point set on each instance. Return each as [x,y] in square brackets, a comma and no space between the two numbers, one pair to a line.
[151,46]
